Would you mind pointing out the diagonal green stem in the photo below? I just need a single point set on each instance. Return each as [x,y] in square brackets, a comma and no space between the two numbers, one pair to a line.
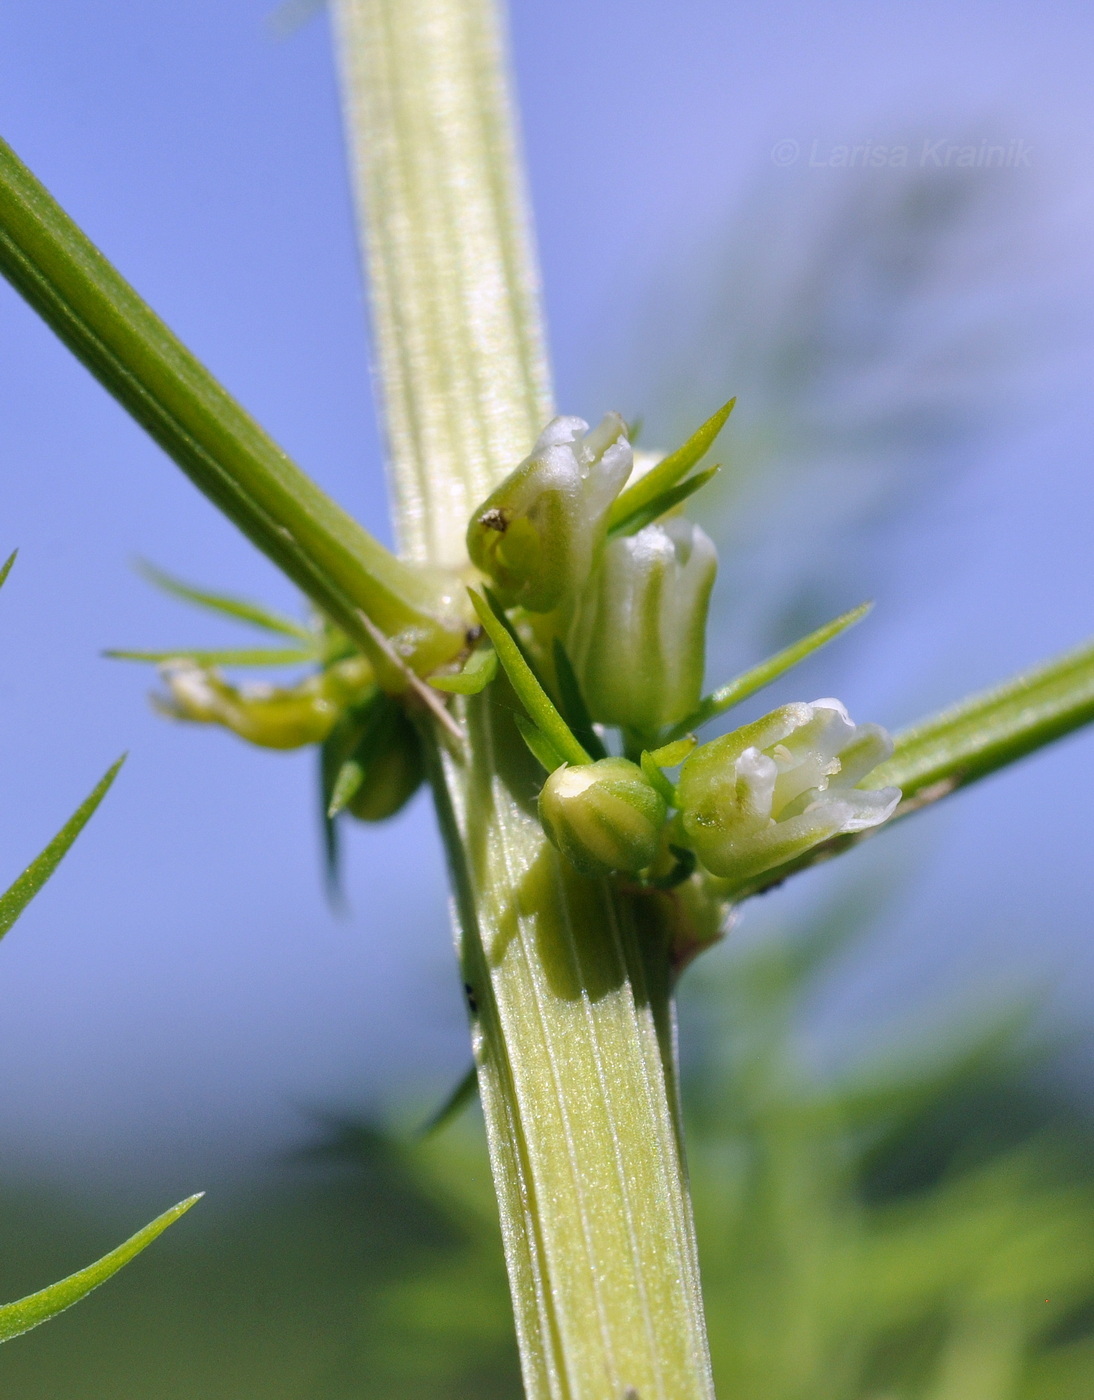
[986,731]
[568,981]
[216,442]
[947,751]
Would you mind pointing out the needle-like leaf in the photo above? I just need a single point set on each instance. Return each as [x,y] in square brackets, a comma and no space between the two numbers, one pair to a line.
[230,656]
[767,671]
[49,260]
[657,778]
[660,505]
[16,899]
[6,569]
[479,670]
[530,693]
[28,1312]
[668,472]
[459,1099]
[242,609]
[539,746]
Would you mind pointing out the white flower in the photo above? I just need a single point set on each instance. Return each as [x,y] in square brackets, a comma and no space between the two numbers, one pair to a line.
[772,790]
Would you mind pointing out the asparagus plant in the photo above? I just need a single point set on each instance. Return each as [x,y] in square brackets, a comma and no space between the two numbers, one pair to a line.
[536,650]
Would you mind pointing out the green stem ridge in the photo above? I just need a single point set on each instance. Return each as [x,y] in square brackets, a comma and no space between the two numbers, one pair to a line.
[568,978]
[451,272]
[220,447]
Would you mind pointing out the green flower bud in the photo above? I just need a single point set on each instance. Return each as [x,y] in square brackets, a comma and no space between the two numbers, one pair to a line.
[772,790]
[638,644]
[273,717]
[603,816]
[392,776]
[536,536]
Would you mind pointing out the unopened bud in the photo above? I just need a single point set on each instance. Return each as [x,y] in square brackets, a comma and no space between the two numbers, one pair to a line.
[392,776]
[536,536]
[638,644]
[772,790]
[603,816]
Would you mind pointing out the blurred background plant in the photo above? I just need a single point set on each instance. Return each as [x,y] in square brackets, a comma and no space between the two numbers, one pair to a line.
[916,1226]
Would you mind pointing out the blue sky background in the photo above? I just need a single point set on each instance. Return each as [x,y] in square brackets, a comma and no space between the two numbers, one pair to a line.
[180,994]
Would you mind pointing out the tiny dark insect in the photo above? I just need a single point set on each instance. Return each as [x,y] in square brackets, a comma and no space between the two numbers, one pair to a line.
[473,1006]
[494,520]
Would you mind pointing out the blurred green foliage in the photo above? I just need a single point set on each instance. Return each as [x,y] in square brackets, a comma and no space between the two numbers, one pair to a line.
[917,1226]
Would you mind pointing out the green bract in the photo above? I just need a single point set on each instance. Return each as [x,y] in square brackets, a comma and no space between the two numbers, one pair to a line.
[536,536]
[604,816]
[638,642]
[772,790]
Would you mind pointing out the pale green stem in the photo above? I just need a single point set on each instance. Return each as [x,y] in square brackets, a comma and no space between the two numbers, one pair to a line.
[568,982]
[451,273]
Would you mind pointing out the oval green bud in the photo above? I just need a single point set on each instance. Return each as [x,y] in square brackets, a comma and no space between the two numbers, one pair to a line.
[770,791]
[604,816]
[638,643]
[392,776]
[536,536]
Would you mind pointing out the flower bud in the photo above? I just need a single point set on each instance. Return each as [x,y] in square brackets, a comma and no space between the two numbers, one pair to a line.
[536,536]
[638,645]
[603,816]
[392,776]
[771,791]
[273,717]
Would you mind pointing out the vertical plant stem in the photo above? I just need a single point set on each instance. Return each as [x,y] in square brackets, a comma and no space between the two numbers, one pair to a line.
[451,272]
[567,979]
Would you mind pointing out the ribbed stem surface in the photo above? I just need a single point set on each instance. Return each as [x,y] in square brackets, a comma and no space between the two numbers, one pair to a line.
[567,980]
[455,301]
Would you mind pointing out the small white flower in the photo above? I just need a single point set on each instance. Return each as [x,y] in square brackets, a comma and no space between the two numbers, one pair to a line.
[770,791]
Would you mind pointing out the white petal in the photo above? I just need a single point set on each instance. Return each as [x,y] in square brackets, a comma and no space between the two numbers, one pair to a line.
[560,431]
[756,778]
[869,746]
[858,810]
